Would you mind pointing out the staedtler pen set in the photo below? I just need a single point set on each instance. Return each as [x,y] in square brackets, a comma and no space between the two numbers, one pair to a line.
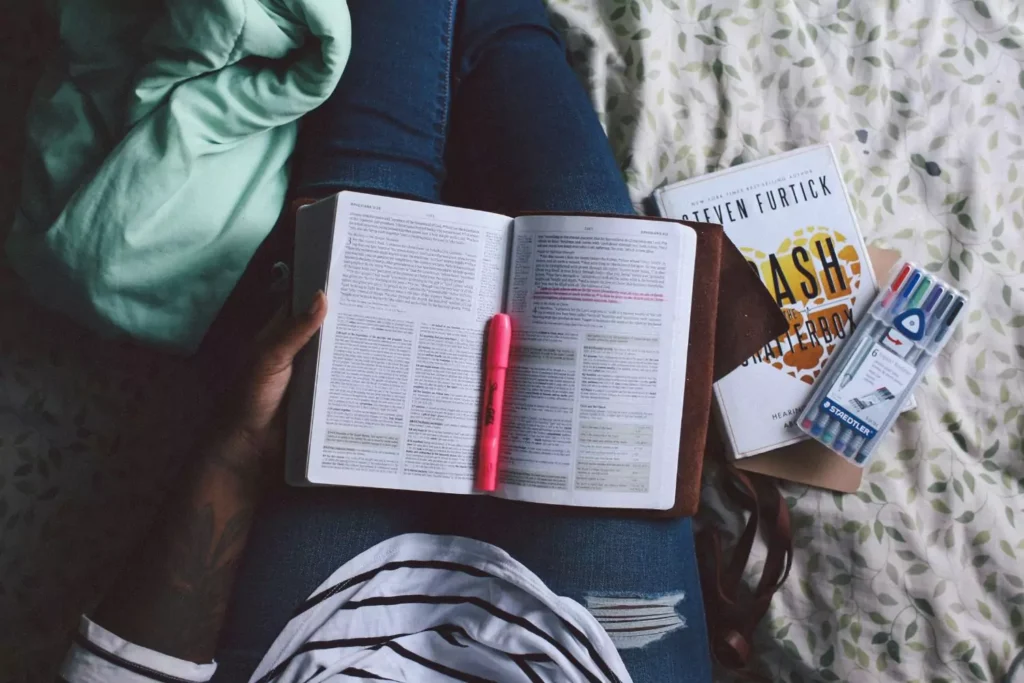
[865,387]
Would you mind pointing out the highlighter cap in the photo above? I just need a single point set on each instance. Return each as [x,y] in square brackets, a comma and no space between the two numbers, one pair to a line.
[499,341]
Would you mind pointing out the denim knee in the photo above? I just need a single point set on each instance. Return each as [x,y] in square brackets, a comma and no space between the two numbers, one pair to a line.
[481,24]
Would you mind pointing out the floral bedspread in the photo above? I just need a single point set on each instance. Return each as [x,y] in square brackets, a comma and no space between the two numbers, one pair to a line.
[920,575]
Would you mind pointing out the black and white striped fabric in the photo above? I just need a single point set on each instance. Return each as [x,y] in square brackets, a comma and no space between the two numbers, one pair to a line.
[436,608]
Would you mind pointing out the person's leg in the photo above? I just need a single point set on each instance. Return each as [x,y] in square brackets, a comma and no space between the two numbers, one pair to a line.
[298,539]
[383,129]
[524,134]
[555,157]
[638,577]
[525,138]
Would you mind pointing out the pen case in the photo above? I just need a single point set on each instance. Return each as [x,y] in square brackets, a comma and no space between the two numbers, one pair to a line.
[864,387]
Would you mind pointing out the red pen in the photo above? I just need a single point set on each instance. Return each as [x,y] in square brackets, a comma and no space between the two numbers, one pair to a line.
[499,344]
[894,287]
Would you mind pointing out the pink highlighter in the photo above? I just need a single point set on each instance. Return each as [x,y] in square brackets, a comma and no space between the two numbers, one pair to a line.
[499,344]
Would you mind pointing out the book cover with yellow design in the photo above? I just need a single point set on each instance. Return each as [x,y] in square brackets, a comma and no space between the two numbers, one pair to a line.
[791,217]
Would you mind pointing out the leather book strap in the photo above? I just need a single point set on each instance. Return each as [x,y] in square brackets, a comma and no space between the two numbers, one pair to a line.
[733,609]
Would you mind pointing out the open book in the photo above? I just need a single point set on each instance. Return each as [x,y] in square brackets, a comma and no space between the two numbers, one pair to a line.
[388,395]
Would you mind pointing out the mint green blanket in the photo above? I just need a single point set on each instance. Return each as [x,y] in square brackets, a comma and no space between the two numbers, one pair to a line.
[157,154]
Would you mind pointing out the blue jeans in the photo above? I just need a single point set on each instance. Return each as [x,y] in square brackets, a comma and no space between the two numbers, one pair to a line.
[301,536]
[470,102]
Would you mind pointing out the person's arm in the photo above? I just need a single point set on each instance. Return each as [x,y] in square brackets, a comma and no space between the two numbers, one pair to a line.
[173,595]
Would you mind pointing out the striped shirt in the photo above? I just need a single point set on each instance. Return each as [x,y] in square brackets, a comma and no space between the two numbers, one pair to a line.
[414,608]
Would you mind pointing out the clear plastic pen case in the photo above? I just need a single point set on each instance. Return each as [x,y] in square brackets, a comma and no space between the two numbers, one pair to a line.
[855,403]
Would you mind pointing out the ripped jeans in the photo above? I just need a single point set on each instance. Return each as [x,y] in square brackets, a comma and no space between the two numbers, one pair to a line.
[471,102]
[638,577]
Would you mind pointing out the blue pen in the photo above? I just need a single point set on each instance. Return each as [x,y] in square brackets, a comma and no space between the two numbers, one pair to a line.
[872,317]
[938,323]
[853,366]
[901,301]
[910,297]
[933,319]
[936,315]
[933,309]
[933,296]
[943,318]
[905,294]
[844,440]
[947,324]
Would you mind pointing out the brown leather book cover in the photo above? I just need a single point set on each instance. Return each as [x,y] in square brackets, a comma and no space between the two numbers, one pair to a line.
[732,315]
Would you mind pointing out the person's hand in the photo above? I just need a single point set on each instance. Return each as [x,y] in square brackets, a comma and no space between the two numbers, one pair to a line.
[252,424]
[265,384]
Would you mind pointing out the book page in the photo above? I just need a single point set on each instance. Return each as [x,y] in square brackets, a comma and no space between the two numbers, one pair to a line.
[601,318]
[410,287]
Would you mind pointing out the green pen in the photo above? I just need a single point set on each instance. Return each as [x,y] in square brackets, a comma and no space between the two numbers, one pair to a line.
[918,296]
[913,302]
